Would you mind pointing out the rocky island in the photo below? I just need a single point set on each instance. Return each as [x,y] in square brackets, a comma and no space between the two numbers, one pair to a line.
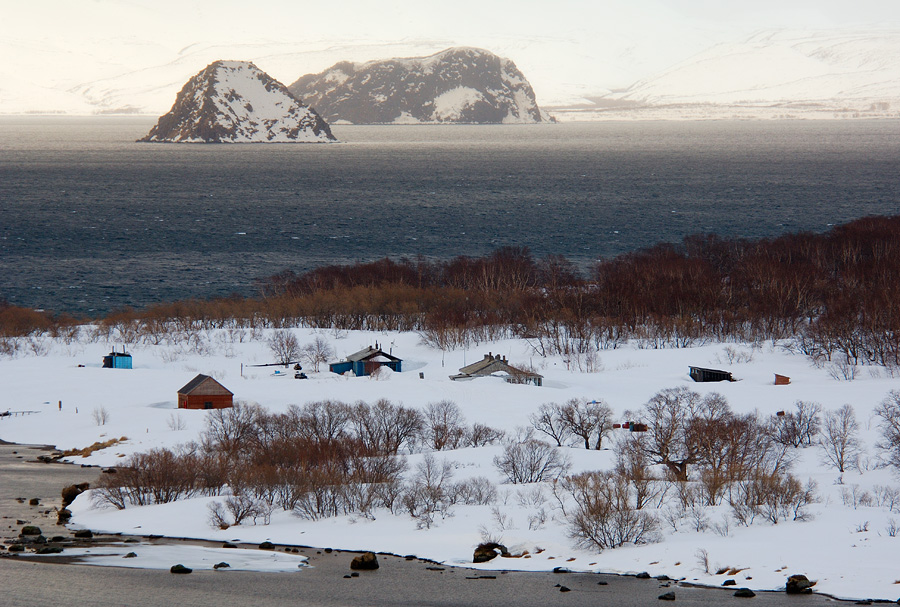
[236,102]
[458,85]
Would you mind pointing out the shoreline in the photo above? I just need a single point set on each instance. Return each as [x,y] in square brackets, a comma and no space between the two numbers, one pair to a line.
[327,570]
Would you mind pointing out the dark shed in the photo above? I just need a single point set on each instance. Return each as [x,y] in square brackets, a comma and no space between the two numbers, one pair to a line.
[701,374]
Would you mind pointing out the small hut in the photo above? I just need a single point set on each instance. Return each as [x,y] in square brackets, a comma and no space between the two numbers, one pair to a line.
[700,374]
[366,361]
[117,360]
[203,392]
[492,365]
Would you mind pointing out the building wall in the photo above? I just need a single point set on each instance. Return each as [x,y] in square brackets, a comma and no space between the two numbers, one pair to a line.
[205,401]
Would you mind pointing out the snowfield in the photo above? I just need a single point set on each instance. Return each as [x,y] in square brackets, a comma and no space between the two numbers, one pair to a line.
[847,544]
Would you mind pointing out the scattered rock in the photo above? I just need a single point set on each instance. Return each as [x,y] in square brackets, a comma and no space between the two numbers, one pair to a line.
[669,596]
[84,534]
[729,583]
[565,589]
[561,570]
[222,565]
[229,545]
[354,574]
[35,501]
[410,557]
[63,516]
[485,552]
[643,575]
[744,593]
[366,561]
[16,548]
[179,568]
[798,584]
[58,538]
[602,583]
[663,578]
[49,550]
[130,555]
[30,530]
[267,546]
[348,576]
[329,550]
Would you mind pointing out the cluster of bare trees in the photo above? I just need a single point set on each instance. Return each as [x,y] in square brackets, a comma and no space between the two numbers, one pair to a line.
[322,459]
[708,456]
[579,420]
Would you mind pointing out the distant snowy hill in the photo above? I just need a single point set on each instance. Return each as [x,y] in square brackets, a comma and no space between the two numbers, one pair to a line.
[236,102]
[467,85]
[774,74]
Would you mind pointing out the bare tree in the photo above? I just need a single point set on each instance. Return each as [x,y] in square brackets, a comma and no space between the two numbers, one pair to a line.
[317,352]
[284,346]
[589,421]
[444,426]
[100,415]
[800,427]
[840,438]
[668,440]
[548,420]
[889,412]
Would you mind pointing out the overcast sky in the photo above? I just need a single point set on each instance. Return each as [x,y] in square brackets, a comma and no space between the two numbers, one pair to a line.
[185,21]
[567,48]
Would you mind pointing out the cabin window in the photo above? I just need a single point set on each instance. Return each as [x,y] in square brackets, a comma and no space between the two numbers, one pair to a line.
[207,405]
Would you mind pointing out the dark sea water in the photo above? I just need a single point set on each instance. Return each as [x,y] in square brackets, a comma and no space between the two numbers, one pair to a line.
[91,221]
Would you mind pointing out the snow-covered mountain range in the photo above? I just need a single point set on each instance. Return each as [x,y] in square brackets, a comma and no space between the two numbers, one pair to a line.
[236,102]
[773,74]
[460,84]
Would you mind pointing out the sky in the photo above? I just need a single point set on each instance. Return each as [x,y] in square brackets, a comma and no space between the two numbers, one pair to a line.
[573,47]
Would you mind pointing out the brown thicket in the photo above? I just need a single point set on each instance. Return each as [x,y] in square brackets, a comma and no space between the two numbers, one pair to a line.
[837,293]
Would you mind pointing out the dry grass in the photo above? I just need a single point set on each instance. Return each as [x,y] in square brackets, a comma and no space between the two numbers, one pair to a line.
[87,451]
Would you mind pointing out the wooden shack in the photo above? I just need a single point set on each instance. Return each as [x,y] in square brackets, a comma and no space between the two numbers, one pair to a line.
[699,374]
[203,392]
[366,361]
[492,365]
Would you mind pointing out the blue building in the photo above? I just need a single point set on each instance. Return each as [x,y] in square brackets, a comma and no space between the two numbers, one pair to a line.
[117,360]
[366,361]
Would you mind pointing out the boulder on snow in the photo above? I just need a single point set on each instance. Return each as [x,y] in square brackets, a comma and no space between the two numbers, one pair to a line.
[798,584]
[490,550]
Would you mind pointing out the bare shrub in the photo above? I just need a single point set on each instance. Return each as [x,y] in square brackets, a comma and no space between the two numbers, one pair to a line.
[839,440]
[176,422]
[480,435]
[774,496]
[284,346]
[531,461]
[479,491]
[100,416]
[444,426]
[603,517]
[430,493]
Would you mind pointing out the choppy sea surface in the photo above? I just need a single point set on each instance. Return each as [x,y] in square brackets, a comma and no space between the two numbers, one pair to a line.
[91,221]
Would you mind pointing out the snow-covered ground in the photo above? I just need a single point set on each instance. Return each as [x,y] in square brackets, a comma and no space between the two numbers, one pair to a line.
[845,545]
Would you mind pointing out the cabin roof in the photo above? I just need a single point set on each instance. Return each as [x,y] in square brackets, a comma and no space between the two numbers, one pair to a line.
[209,385]
[370,353]
[491,364]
